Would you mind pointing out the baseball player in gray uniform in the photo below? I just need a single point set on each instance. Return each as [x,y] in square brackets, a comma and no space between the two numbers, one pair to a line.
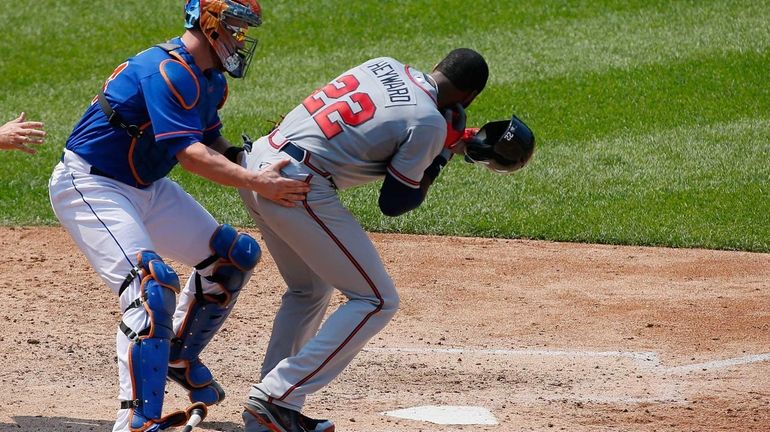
[381,119]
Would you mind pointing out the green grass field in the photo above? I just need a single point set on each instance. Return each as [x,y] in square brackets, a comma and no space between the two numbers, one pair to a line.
[652,117]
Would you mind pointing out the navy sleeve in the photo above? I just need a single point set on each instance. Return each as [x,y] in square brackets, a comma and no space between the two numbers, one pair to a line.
[396,198]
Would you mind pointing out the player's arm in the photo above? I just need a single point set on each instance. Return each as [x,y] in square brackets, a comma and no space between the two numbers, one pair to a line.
[208,163]
[171,98]
[396,198]
[399,194]
[220,144]
[224,147]
[406,184]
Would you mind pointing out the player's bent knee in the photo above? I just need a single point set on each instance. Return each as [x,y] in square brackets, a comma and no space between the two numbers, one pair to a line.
[390,305]
[238,254]
[389,301]
[234,256]
[239,248]
[159,287]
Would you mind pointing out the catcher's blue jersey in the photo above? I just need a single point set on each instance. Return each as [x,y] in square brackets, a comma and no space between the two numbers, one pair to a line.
[169,97]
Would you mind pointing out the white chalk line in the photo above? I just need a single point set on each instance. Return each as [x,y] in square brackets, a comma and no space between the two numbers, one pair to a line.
[649,361]
[667,396]
[81,423]
[645,359]
[719,364]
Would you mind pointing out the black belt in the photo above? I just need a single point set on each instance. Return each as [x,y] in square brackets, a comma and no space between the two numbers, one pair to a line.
[295,152]
[301,155]
[94,170]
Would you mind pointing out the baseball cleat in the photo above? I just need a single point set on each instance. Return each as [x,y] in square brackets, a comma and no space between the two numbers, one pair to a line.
[263,416]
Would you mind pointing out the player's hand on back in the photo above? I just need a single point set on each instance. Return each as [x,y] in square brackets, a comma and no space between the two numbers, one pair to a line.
[269,183]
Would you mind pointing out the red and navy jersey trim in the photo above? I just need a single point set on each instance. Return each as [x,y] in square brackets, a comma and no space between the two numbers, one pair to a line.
[403,178]
[408,70]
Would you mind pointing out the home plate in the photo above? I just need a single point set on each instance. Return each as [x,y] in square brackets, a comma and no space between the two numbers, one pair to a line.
[447,415]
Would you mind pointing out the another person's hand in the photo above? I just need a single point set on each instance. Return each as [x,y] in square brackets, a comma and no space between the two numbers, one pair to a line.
[273,186]
[19,134]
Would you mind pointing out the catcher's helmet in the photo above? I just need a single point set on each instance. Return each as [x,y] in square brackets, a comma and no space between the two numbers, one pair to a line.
[502,146]
[225,22]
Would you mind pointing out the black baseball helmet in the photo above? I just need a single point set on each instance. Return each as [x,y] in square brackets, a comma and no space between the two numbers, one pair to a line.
[502,146]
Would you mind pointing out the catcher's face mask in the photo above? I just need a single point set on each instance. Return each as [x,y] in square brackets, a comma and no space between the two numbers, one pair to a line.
[225,24]
[501,146]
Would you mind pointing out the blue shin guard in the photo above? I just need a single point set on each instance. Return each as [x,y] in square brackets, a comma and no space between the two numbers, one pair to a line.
[233,257]
[150,347]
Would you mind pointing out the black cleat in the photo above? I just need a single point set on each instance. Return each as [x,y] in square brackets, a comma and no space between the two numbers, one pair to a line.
[265,416]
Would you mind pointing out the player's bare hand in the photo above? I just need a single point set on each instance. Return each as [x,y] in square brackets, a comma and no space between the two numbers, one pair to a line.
[275,187]
[19,134]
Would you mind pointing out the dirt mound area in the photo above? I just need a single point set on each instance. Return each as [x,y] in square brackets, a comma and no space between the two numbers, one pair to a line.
[546,336]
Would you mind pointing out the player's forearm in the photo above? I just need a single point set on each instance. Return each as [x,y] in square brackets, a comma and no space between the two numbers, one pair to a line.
[227,149]
[425,184]
[207,163]
[432,172]
[267,182]
[397,198]
[220,144]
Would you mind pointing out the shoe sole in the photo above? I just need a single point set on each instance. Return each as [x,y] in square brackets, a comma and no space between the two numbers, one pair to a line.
[267,420]
[264,418]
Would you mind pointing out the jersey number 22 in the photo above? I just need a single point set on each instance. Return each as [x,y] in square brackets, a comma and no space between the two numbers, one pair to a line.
[322,111]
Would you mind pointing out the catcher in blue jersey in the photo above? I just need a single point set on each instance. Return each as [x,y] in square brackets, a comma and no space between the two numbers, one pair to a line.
[110,192]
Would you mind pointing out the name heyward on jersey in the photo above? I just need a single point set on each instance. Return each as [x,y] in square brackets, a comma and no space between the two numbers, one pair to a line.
[398,92]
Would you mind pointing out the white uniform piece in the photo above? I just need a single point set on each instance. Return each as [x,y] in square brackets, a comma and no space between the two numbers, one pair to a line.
[111,222]
[380,117]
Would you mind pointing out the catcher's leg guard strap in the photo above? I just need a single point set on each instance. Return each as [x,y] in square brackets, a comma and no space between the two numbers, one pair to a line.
[151,346]
[196,378]
[237,254]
